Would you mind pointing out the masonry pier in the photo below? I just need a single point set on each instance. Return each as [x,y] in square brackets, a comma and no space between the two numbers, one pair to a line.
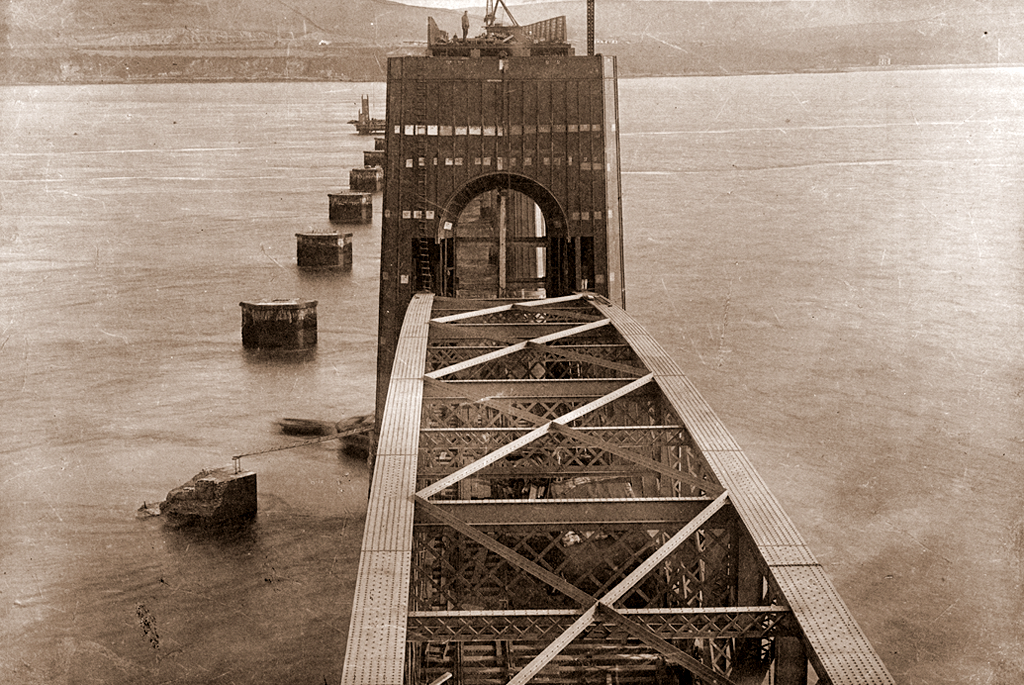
[374,158]
[366,179]
[279,324]
[323,250]
[350,207]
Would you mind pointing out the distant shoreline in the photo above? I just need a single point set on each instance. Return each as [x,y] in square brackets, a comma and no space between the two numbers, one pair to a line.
[840,70]
[231,64]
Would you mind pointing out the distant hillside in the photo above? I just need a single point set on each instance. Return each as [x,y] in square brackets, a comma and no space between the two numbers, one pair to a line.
[116,40]
[744,37]
[86,22]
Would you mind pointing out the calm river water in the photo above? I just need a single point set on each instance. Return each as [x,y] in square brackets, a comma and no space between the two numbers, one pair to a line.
[837,261]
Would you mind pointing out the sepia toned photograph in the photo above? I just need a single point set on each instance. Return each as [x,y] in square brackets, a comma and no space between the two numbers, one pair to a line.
[605,342]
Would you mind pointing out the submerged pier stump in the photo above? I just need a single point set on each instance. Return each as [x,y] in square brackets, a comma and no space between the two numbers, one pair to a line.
[351,207]
[279,325]
[367,179]
[215,497]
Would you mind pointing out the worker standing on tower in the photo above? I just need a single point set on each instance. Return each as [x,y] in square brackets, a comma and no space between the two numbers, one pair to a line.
[465,25]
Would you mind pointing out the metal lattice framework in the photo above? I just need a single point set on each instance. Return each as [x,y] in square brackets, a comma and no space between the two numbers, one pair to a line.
[553,502]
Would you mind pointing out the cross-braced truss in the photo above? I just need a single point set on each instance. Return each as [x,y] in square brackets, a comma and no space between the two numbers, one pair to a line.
[553,502]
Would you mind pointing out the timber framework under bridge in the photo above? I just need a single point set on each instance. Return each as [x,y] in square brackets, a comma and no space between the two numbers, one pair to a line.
[554,502]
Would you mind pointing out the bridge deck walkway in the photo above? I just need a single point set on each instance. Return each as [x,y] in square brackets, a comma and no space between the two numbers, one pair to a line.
[834,645]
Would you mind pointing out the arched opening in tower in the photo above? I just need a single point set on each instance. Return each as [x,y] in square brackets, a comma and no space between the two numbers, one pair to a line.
[504,236]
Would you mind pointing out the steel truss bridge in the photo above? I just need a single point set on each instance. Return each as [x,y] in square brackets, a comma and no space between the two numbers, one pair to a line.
[554,502]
